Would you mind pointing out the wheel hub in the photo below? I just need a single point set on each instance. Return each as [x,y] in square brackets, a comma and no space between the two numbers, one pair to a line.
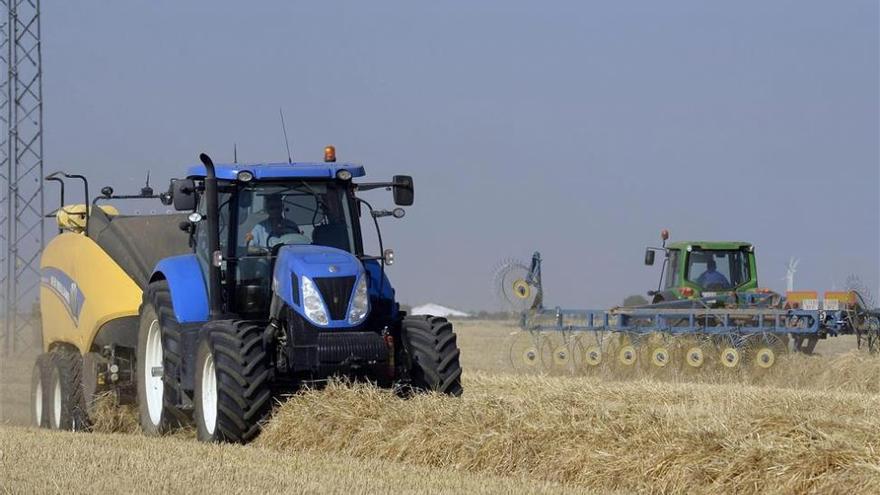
[627,355]
[593,356]
[152,368]
[730,357]
[530,356]
[695,357]
[765,358]
[209,394]
[660,357]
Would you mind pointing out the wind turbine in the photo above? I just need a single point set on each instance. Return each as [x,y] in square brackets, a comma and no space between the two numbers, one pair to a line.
[789,273]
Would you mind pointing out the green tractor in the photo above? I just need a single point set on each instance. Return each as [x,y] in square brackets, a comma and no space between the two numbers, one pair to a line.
[717,273]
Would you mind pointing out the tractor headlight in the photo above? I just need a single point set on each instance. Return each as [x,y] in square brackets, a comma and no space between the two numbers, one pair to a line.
[313,304]
[360,303]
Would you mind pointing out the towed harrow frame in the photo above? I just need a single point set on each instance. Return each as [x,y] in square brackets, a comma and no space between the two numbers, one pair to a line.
[688,334]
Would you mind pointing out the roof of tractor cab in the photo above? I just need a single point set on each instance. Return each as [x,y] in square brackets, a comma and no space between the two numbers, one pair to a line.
[710,245]
[269,171]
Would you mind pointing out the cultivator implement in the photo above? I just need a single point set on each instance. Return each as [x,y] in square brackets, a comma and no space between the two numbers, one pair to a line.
[722,333]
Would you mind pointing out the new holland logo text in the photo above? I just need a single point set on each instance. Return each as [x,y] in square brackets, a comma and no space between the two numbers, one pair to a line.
[65,288]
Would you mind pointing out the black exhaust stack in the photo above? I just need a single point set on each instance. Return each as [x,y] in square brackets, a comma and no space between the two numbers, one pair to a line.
[212,210]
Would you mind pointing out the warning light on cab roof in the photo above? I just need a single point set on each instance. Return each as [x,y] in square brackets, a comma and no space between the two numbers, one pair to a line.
[329,153]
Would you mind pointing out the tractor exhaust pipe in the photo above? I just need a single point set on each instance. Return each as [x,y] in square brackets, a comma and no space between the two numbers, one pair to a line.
[212,210]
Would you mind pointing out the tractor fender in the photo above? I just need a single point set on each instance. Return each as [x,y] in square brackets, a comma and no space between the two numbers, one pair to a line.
[380,286]
[186,281]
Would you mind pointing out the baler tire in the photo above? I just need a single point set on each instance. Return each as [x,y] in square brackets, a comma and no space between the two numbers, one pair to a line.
[157,306]
[242,396]
[40,392]
[434,353]
[67,405]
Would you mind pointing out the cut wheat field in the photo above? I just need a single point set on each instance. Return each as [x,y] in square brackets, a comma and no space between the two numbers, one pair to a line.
[809,426]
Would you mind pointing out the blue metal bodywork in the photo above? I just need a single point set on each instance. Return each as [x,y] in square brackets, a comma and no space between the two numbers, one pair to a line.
[269,171]
[679,321]
[295,262]
[187,280]
[189,292]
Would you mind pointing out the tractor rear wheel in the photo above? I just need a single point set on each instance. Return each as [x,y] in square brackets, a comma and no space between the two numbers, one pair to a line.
[434,354]
[232,382]
[66,405]
[39,391]
[158,362]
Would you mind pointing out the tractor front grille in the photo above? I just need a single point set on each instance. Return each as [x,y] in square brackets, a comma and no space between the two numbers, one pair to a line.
[336,292]
[358,347]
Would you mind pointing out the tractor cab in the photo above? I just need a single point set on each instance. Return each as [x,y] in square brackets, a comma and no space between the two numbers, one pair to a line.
[272,214]
[703,269]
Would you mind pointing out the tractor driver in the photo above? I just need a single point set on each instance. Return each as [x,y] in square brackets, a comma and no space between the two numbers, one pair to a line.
[272,228]
[711,277]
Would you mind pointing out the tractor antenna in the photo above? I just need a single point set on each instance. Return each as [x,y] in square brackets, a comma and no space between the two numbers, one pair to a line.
[286,141]
[234,153]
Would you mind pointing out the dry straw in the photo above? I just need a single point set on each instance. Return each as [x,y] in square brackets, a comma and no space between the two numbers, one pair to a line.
[809,425]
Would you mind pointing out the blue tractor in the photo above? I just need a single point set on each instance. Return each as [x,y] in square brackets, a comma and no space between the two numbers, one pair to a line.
[275,292]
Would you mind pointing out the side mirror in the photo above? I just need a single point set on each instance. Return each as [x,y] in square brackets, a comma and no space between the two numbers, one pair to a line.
[404,190]
[183,194]
[649,257]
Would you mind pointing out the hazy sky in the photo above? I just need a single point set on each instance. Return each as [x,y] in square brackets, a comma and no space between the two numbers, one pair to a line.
[576,128]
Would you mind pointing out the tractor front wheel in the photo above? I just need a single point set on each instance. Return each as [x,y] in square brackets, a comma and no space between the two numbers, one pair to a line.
[433,352]
[158,362]
[232,392]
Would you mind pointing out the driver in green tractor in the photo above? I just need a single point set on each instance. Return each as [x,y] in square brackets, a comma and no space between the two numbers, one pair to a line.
[711,278]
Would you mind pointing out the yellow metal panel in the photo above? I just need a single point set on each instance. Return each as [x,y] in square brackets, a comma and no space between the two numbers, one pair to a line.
[801,295]
[82,289]
[844,297]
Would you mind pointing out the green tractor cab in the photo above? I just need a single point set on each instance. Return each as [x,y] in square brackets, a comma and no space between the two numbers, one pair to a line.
[711,271]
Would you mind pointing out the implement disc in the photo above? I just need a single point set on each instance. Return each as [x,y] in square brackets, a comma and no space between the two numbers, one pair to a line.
[593,355]
[765,357]
[627,355]
[521,289]
[694,356]
[730,356]
[660,357]
[527,352]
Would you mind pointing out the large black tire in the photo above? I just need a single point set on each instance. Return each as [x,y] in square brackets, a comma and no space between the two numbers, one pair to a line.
[40,392]
[157,309]
[230,406]
[66,405]
[433,350]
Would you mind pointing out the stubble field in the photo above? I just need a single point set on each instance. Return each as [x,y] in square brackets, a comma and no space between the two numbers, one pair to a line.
[810,425]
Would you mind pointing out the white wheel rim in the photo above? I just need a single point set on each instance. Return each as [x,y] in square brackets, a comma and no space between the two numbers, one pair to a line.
[209,394]
[56,405]
[38,403]
[154,389]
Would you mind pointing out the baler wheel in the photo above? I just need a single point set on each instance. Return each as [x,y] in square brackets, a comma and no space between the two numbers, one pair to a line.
[232,382]
[39,392]
[433,350]
[66,403]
